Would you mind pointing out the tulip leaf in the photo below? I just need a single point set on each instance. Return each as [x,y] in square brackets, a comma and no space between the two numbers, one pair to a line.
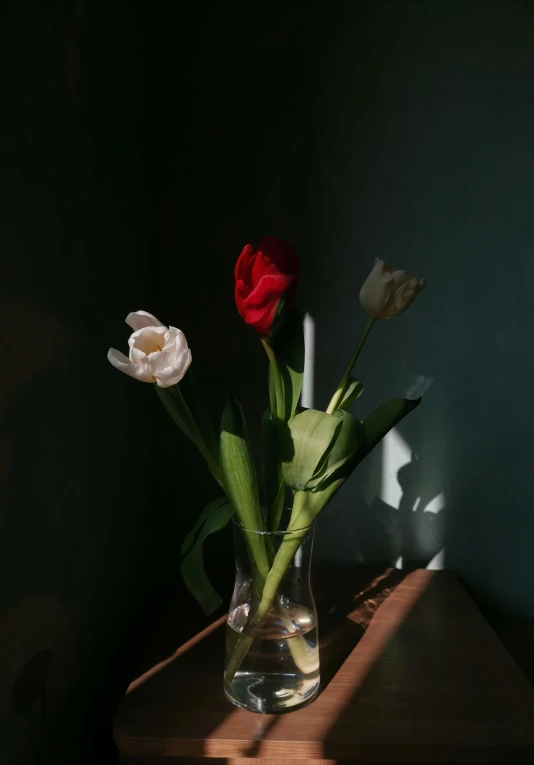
[179,413]
[184,404]
[214,517]
[310,436]
[239,478]
[353,391]
[288,347]
[375,426]
[271,463]
[210,508]
[349,439]
[188,391]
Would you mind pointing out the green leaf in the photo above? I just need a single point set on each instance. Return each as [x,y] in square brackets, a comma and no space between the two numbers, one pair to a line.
[179,413]
[184,404]
[354,391]
[311,434]
[189,392]
[288,346]
[210,508]
[239,478]
[192,564]
[270,456]
[239,474]
[272,391]
[375,426]
[341,452]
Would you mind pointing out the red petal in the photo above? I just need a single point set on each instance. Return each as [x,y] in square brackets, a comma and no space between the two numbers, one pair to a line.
[281,253]
[243,264]
[258,309]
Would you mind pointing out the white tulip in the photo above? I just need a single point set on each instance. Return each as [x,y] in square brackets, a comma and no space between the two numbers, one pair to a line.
[387,292]
[158,354]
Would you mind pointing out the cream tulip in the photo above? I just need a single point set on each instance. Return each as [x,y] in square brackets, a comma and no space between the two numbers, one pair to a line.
[158,354]
[387,292]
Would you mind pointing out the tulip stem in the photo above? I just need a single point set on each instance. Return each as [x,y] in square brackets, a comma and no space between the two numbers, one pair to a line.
[279,409]
[336,398]
[174,402]
[274,513]
[288,548]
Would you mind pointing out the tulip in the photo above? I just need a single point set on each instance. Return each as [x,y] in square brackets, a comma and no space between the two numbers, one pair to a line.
[266,283]
[387,292]
[158,354]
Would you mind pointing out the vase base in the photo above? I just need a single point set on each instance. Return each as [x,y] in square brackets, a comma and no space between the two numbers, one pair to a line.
[272,694]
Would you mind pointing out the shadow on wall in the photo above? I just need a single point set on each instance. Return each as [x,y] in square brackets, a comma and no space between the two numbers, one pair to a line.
[409,536]
[407,531]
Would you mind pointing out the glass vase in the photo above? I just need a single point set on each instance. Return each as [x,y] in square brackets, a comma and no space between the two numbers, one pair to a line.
[272,651]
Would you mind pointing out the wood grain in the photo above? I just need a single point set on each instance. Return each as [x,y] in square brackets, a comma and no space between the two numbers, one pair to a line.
[413,673]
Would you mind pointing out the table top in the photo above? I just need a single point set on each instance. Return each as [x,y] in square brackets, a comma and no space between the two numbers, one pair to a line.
[411,672]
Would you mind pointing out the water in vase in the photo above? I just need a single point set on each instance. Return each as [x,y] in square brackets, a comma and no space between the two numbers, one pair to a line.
[281,668]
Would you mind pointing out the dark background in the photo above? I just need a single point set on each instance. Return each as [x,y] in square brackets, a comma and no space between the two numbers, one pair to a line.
[142,145]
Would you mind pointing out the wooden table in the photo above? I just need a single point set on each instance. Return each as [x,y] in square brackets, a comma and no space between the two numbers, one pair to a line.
[411,673]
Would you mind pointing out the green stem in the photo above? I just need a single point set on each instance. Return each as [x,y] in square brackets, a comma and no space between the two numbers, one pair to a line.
[286,552]
[274,512]
[186,422]
[336,398]
[277,379]
[207,450]
[277,508]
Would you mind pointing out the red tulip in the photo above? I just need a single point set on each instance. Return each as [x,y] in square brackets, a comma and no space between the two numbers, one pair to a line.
[266,283]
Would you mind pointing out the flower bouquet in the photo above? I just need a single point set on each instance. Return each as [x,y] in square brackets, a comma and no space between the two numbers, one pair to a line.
[272,660]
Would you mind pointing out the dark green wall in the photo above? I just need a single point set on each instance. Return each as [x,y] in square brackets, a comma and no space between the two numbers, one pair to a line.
[360,129]
[75,438]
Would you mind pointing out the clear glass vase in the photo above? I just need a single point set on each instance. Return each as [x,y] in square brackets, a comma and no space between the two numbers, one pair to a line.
[272,651]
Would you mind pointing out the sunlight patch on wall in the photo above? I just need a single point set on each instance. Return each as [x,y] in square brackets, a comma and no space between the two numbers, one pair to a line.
[307,395]
[396,455]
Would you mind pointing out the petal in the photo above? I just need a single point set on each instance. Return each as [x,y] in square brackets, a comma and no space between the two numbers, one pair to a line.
[148,339]
[241,293]
[259,309]
[281,253]
[122,362]
[175,340]
[244,263]
[404,300]
[173,374]
[140,319]
[376,290]
[400,276]
[140,359]
[270,287]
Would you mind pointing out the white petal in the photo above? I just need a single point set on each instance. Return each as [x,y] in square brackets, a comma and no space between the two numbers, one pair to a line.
[174,348]
[173,374]
[376,290]
[168,382]
[140,319]
[122,362]
[140,359]
[148,339]
[177,338]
